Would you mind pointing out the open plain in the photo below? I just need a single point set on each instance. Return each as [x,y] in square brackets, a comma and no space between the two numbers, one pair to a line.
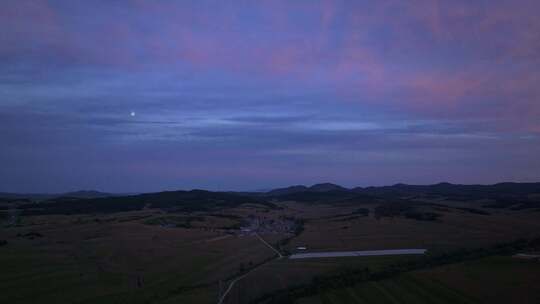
[205,247]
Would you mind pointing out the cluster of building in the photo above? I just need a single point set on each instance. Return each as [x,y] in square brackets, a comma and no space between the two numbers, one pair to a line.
[264,225]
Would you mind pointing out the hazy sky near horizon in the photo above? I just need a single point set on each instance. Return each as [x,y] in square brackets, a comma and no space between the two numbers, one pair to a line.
[132,96]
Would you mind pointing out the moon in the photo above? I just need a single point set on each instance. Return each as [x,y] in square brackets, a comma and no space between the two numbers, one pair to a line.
[132,114]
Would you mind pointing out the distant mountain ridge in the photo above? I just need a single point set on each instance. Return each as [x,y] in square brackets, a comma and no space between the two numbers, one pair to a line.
[88,194]
[397,189]
[288,190]
[322,187]
[503,195]
[171,201]
[80,194]
[500,190]
[325,187]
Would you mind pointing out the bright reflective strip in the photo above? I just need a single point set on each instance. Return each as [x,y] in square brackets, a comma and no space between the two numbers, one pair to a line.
[356,253]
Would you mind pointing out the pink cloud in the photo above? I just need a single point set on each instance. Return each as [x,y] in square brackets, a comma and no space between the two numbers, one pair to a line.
[30,26]
[355,64]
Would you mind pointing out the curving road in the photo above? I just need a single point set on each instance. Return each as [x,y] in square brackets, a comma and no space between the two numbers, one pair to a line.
[233,282]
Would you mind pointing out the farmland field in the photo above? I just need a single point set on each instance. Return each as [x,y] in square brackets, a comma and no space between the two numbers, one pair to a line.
[494,279]
[202,247]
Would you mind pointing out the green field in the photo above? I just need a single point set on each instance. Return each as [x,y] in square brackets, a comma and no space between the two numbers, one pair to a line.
[285,273]
[93,252]
[117,261]
[489,280]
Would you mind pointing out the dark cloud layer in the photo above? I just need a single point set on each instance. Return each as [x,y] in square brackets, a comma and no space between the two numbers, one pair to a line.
[150,95]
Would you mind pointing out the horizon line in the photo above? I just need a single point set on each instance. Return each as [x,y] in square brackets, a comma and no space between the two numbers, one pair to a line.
[263,190]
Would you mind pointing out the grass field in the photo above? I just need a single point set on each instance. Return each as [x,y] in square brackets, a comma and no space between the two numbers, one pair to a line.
[452,230]
[489,280]
[118,261]
[281,274]
[156,256]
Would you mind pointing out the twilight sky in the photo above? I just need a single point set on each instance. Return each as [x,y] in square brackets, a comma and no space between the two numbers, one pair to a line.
[133,96]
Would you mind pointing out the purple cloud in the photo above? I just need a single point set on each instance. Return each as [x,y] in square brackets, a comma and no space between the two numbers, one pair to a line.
[253,94]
